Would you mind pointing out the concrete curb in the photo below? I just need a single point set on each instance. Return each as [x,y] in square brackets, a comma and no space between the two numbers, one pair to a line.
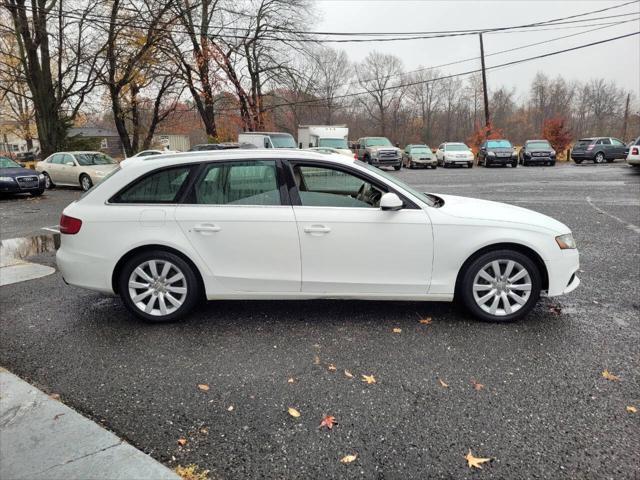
[41,438]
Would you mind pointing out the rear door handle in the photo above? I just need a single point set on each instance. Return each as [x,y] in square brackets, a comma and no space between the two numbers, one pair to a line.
[206,228]
[316,229]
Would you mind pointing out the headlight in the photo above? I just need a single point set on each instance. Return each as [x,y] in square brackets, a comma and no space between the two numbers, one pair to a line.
[41,177]
[566,241]
[491,154]
[553,153]
[7,179]
[374,154]
[514,154]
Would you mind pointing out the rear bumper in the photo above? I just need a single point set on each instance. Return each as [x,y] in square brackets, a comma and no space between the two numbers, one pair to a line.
[633,160]
[84,270]
[582,155]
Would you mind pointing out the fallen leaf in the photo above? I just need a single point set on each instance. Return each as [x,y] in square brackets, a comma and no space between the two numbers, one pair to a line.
[316,360]
[204,431]
[369,379]
[182,441]
[476,385]
[610,376]
[57,416]
[291,380]
[349,458]
[328,421]
[191,472]
[204,387]
[555,309]
[426,321]
[348,374]
[442,384]
[54,396]
[474,462]
[397,330]
[293,412]
[631,409]
[331,367]
[230,409]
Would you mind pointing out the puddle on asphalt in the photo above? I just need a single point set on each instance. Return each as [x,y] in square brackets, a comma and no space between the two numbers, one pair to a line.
[15,250]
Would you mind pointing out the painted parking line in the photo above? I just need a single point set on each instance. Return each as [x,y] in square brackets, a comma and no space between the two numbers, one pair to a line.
[628,225]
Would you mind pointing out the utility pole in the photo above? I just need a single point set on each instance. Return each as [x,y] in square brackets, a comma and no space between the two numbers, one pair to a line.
[484,88]
[626,119]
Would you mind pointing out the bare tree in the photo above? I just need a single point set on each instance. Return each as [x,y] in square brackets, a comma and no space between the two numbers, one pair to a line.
[379,75]
[426,96]
[334,71]
[59,63]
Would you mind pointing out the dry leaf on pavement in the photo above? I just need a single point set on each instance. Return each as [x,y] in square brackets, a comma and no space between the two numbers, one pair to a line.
[54,396]
[369,379]
[631,409]
[331,367]
[476,385]
[348,374]
[230,409]
[204,387]
[425,321]
[442,383]
[397,330]
[182,441]
[328,421]
[475,462]
[291,380]
[610,376]
[293,412]
[191,472]
[349,458]
[316,360]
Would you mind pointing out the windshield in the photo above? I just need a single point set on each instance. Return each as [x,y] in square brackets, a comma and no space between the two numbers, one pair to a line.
[538,145]
[395,181]
[283,141]
[86,159]
[377,142]
[333,143]
[499,144]
[8,163]
[420,150]
[456,147]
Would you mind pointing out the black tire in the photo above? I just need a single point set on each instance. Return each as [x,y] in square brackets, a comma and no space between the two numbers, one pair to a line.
[552,163]
[599,158]
[610,160]
[434,166]
[470,165]
[37,193]
[514,164]
[467,277]
[85,182]
[577,160]
[191,283]
[367,159]
[48,183]
[397,167]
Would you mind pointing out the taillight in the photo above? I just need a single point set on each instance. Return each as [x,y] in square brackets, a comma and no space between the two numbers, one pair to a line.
[635,151]
[70,225]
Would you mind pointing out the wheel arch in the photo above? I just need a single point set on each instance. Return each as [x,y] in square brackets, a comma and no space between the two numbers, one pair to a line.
[142,248]
[518,247]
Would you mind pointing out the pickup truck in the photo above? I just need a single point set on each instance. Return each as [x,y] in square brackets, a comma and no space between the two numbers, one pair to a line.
[378,151]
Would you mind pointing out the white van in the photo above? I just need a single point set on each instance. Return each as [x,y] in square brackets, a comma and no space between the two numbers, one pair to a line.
[267,139]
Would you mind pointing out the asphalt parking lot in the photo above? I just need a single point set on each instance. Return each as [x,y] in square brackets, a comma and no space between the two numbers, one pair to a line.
[543,410]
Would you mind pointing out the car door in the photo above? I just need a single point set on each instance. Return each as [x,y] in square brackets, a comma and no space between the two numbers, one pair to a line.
[68,170]
[618,148]
[348,245]
[54,169]
[241,223]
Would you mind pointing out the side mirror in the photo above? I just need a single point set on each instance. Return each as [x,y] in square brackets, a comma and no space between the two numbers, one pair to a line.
[390,201]
[266,143]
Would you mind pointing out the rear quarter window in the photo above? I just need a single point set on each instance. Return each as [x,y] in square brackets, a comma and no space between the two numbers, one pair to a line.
[157,187]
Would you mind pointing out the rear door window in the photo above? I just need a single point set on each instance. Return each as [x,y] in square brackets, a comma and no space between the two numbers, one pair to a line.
[163,186]
[238,183]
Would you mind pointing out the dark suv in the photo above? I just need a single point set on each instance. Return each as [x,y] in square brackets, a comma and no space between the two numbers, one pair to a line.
[497,152]
[599,150]
[537,152]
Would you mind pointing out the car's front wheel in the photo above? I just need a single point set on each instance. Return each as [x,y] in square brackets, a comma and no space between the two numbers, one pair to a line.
[158,286]
[500,286]
[47,181]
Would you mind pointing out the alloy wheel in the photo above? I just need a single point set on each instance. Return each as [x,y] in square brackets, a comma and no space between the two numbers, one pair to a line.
[502,287]
[85,183]
[157,287]
[599,158]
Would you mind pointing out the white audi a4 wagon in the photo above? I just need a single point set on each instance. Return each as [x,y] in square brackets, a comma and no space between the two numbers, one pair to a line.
[165,232]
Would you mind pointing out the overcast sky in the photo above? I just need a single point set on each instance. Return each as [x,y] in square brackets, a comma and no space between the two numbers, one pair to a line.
[618,60]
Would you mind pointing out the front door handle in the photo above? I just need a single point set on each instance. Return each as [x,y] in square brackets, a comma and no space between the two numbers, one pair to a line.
[316,229]
[205,228]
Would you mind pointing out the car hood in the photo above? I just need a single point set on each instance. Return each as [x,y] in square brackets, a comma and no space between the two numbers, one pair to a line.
[422,155]
[380,148]
[501,149]
[16,172]
[476,209]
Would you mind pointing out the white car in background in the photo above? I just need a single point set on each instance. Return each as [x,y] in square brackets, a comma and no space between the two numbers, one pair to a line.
[454,153]
[633,158]
[276,224]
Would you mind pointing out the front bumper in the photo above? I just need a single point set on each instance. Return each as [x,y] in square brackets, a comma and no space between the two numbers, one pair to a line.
[562,272]
[546,158]
[16,187]
[457,161]
[386,161]
[425,162]
[501,160]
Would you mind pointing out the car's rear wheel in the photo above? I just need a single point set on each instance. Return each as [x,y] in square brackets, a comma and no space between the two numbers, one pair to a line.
[48,183]
[85,182]
[159,286]
[500,286]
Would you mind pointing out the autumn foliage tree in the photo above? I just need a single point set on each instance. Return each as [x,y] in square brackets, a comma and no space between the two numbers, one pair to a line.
[555,131]
[482,133]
